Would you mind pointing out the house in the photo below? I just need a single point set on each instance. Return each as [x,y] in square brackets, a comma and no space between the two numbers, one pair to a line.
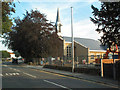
[12,55]
[87,50]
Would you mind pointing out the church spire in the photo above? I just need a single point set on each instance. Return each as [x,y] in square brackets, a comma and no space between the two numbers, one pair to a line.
[58,23]
[58,16]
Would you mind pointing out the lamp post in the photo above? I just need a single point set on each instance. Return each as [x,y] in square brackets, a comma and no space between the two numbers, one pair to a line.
[72,39]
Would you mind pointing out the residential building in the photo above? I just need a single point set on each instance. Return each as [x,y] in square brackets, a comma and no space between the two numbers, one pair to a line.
[12,55]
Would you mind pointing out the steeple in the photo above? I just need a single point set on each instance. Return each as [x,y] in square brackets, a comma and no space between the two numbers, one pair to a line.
[58,16]
[58,23]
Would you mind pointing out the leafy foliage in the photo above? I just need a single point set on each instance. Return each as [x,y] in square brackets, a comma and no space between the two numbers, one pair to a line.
[108,21]
[34,37]
[5,54]
[17,54]
[7,10]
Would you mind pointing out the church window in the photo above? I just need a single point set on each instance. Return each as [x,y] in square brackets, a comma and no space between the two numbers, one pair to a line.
[92,56]
[98,56]
[68,51]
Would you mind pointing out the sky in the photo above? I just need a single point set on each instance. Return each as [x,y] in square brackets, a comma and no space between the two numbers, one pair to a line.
[82,26]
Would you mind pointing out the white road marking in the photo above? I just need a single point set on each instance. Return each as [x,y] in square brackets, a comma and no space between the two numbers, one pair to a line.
[17,74]
[11,68]
[11,74]
[57,84]
[29,75]
[6,74]
[14,73]
[1,75]
[4,65]
[16,70]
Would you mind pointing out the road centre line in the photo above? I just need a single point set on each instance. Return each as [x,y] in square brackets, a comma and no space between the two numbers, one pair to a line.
[30,75]
[57,84]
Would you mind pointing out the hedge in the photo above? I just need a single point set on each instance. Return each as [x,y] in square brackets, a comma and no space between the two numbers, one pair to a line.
[92,71]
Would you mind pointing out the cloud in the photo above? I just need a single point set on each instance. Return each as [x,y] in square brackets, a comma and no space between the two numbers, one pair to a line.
[82,29]
[56,0]
[50,9]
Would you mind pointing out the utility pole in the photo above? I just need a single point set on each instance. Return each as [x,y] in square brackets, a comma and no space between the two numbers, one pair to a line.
[72,39]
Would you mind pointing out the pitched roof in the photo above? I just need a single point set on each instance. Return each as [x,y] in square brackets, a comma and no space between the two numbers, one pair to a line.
[89,43]
[10,53]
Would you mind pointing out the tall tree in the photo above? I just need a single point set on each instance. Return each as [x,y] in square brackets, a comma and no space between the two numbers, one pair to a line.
[34,36]
[7,9]
[108,21]
[5,54]
[17,54]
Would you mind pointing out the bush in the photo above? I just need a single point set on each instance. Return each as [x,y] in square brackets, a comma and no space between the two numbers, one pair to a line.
[92,71]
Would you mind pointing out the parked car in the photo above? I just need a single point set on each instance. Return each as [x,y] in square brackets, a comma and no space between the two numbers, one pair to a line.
[15,60]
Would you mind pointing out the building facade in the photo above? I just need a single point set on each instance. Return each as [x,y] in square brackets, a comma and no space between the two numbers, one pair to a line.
[85,50]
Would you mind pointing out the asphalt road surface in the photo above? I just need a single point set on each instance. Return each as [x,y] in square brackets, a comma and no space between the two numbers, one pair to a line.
[20,76]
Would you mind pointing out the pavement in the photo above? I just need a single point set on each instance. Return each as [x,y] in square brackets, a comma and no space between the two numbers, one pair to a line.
[93,78]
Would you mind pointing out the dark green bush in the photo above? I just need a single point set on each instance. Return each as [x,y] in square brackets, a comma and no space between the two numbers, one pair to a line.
[92,71]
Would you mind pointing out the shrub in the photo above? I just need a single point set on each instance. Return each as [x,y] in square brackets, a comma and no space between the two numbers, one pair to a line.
[92,71]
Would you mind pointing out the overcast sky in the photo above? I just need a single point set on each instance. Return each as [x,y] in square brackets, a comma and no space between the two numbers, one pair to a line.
[82,26]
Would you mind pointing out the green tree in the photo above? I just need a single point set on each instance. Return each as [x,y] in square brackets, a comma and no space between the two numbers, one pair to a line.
[17,54]
[34,37]
[107,18]
[5,54]
[7,10]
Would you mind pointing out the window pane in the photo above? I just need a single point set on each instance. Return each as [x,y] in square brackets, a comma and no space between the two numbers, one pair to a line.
[92,56]
[98,56]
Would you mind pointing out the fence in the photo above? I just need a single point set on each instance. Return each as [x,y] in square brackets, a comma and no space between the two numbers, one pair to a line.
[80,61]
[107,68]
[82,64]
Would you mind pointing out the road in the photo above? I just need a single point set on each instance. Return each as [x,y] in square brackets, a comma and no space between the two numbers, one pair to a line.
[20,76]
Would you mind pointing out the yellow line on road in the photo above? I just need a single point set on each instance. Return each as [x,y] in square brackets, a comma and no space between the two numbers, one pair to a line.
[80,79]
[53,74]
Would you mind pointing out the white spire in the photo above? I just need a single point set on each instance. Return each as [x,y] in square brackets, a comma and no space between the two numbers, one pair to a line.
[58,23]
[58,16]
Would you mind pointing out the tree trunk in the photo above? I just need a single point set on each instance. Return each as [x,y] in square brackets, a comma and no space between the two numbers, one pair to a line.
[26,60]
